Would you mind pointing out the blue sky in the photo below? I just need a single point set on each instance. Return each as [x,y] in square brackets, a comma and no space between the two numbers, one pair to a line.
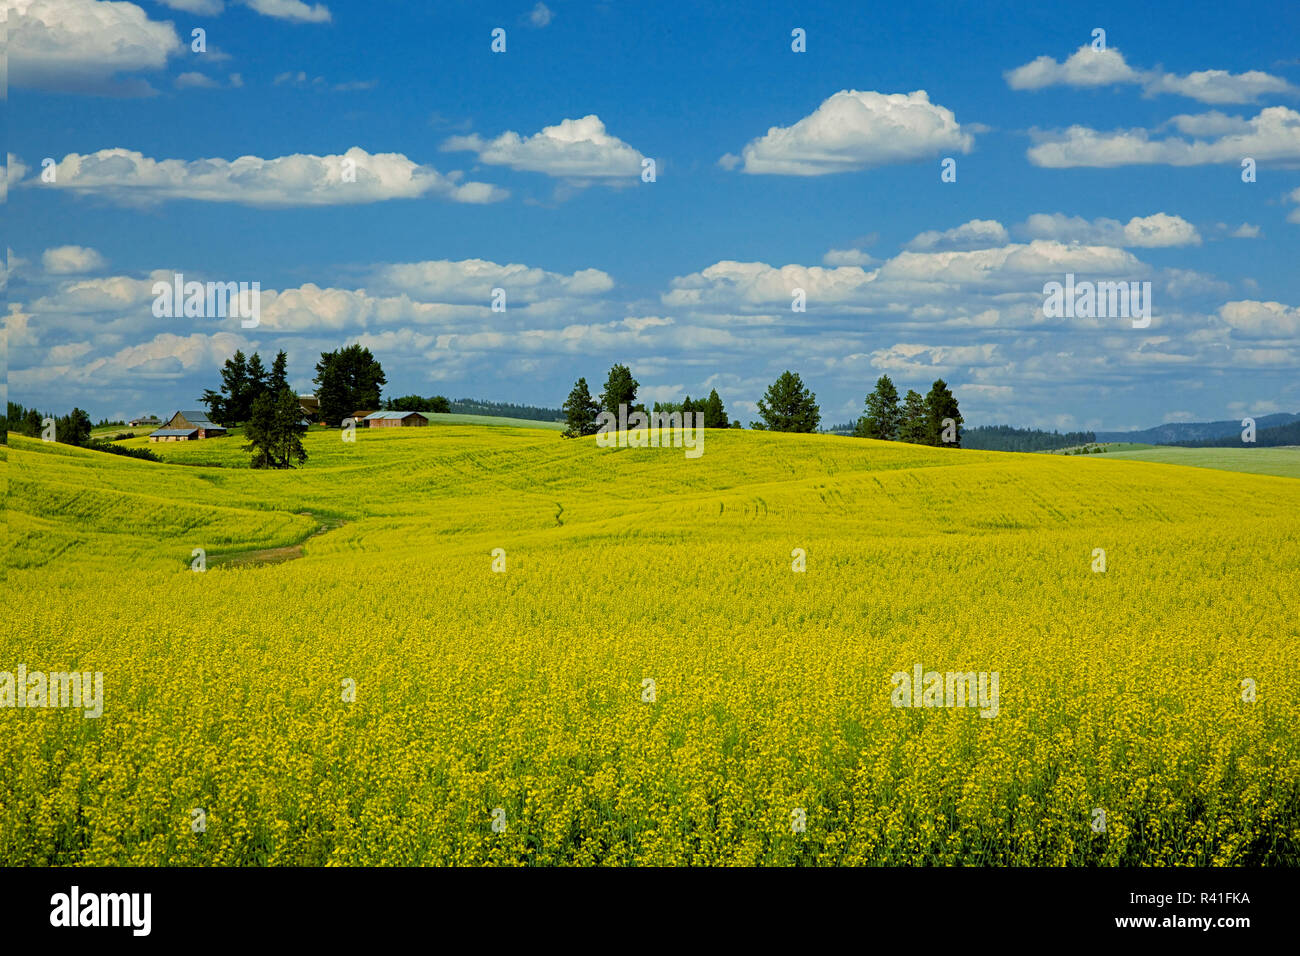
[774,170]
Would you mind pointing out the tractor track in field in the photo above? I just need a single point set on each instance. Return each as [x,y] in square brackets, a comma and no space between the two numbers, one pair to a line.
[265,556]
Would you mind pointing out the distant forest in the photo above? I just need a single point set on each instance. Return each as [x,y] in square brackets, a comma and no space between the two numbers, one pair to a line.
[474,406]
[1006,438]
[1264,438]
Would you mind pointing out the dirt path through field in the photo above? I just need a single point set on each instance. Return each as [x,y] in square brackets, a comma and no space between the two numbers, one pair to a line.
[240,559]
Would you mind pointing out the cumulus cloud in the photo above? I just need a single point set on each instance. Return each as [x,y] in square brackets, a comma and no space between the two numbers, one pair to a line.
[1212,123]
[1273,134]
[472,281]
[848,257]
[71,260]
[1087,67]
[1154,231]
[575,149]
[81,45]
[1262,320]
[976,234]
[923,359]
[853,130]
[128,177]
[1294,197]
[925,286]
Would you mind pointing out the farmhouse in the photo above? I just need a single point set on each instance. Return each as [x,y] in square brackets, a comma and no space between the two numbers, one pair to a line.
[310,405]
[395,420]
[187,426]
[361,415]
[146,420]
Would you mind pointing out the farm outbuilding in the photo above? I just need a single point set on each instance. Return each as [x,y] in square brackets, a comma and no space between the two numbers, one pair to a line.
[187,426]
[395,420]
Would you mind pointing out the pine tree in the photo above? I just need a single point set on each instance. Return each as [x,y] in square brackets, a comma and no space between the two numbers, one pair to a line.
[883,414]
[788,406]
[580,411]
[279,374]
[620,389]
[274,431]
[914,426]
[941,404]
[715,415]
[347,380]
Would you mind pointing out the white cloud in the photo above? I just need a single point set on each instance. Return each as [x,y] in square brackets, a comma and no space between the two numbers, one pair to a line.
[1294,215]
[15,170]
[921,359]
[976,234]
[472,281]
[1087,67]
[71,260]
[80,45]
[1159,230]
[1274,134]
[201,7]
[187,81]
[126,176]
[1220,86]
[540,16]
[852,130]
[1212,123]
[925,286]
[848,257]
[1262,320]
[293,10]
[576,149]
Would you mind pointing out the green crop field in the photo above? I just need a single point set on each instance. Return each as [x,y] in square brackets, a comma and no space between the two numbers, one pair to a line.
[462,644]
[1260,461]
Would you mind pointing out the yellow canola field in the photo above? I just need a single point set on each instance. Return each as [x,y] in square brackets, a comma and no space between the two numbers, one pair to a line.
[648,681]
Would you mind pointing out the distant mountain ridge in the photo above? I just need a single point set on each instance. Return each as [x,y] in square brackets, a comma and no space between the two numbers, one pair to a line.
[1177,433]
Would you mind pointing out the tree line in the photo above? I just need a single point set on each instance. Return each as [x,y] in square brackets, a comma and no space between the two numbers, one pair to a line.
[932,419]
[788,405]
[1006,438]
[71,429]
[581,411]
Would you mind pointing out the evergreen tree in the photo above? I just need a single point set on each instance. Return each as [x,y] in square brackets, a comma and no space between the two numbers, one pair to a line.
[279,379]
[883,414]
[715,415]
[274,431]
[257,380]
[620,389]
[232,404]
[788,406]
[914,423]
[941,404]
[580,411]
[347,380]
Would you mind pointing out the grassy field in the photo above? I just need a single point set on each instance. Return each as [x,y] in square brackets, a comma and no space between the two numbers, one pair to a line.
[1260,461]
[1106,446]
[648,680]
